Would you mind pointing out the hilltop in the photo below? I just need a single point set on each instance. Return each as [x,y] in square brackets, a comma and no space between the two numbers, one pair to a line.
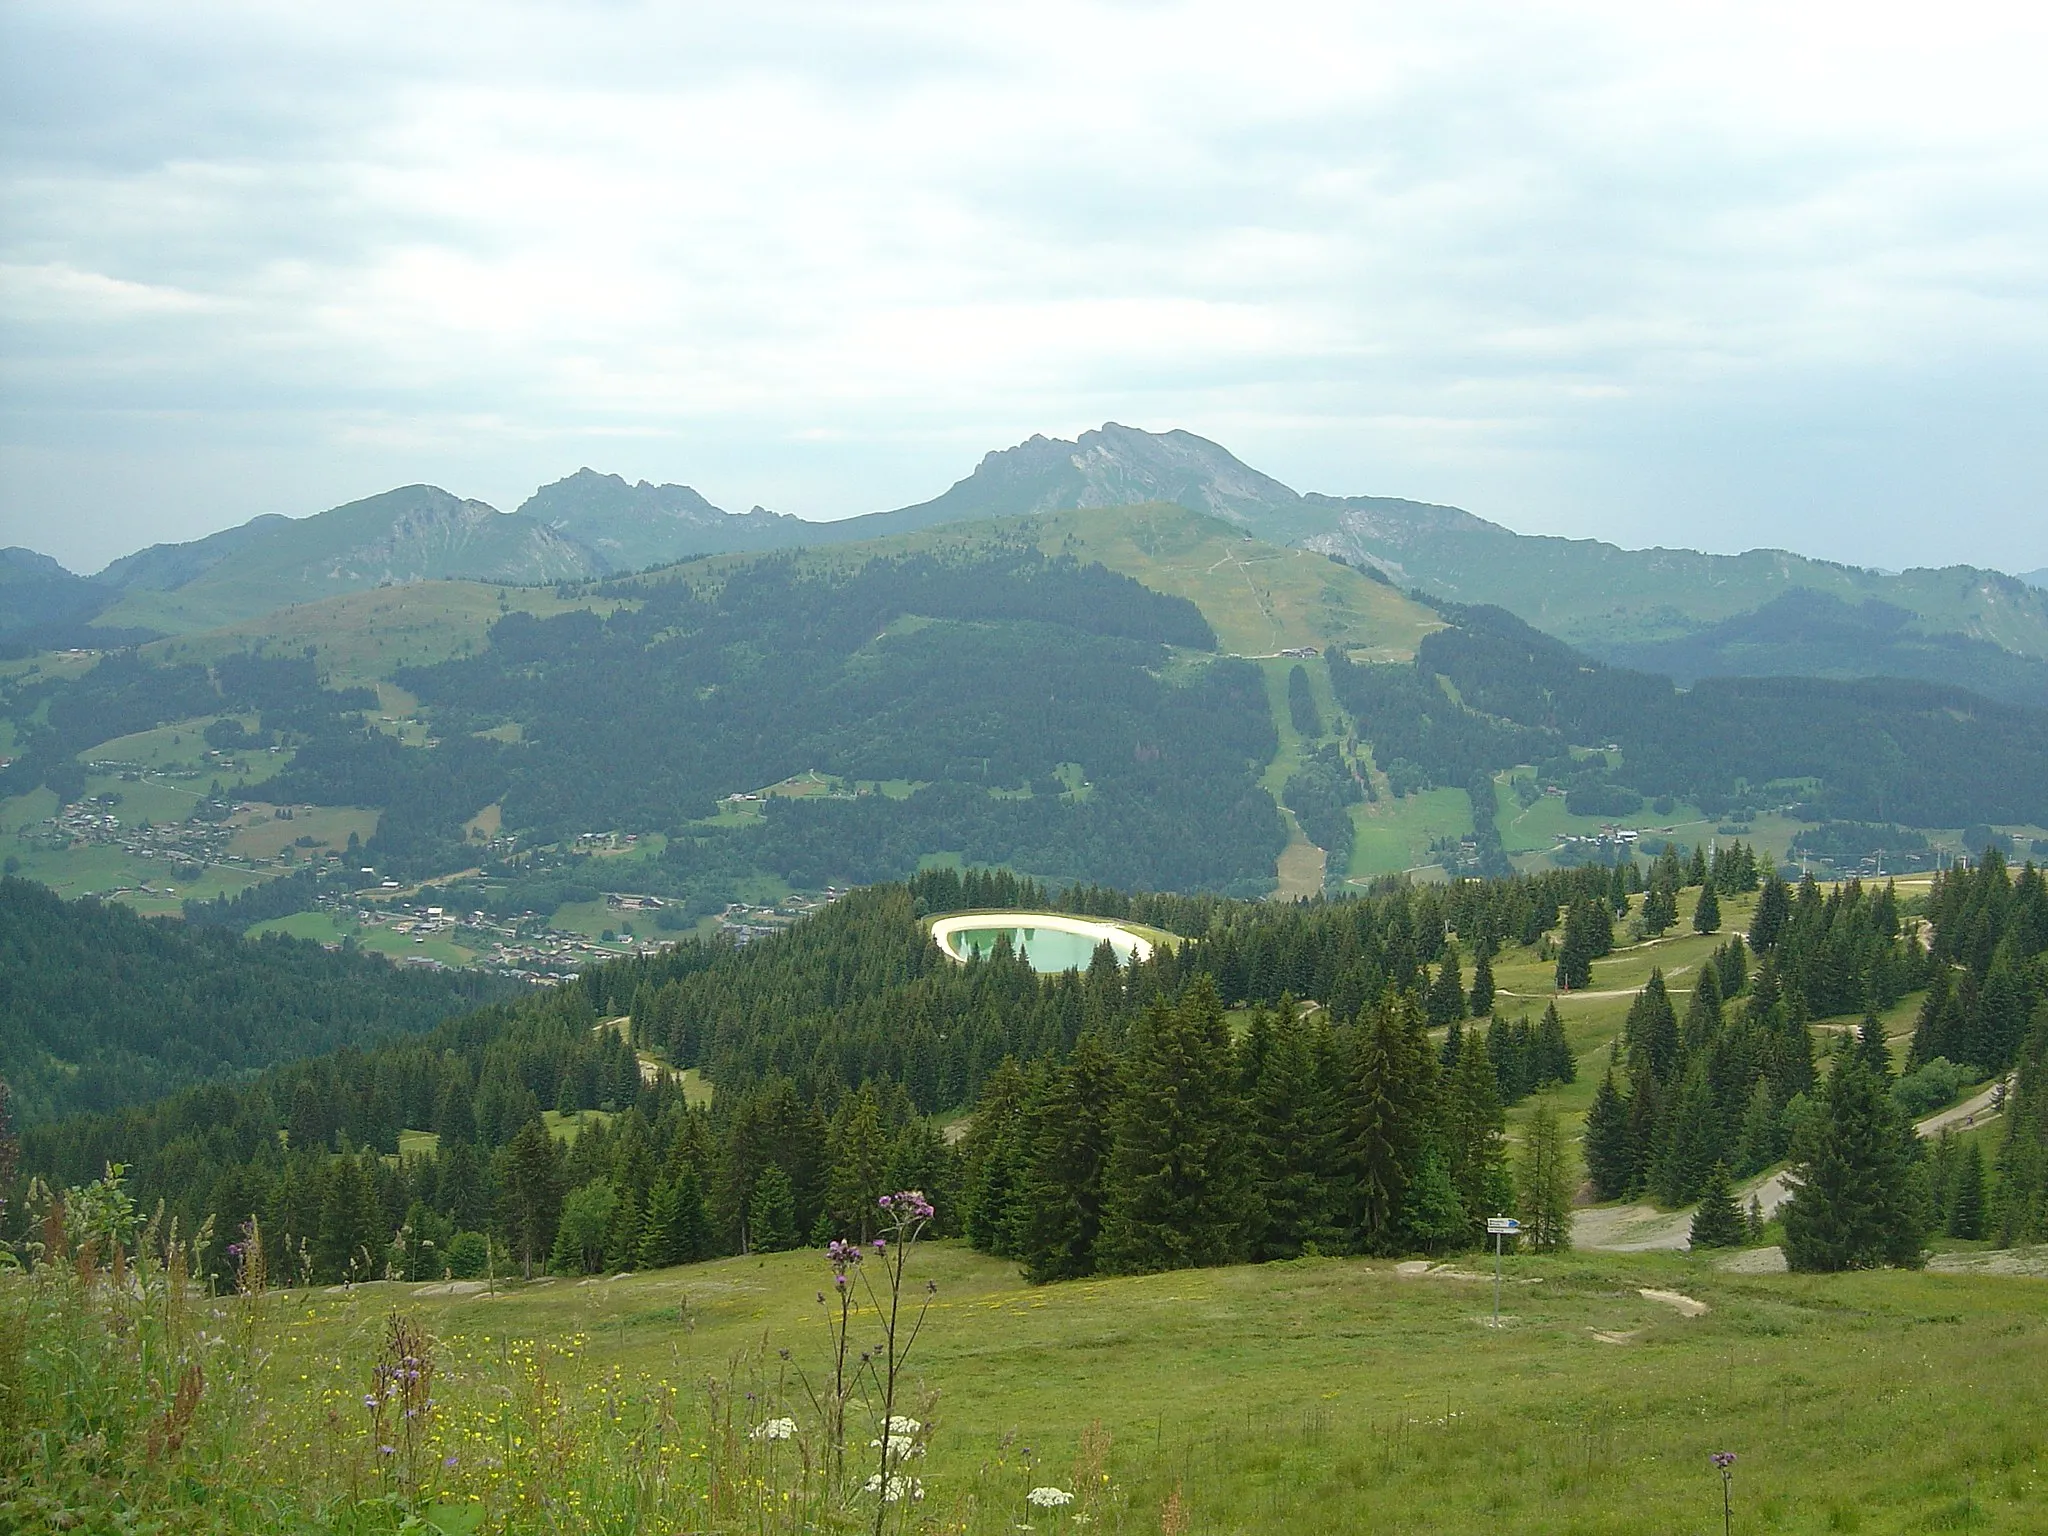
[1962,625]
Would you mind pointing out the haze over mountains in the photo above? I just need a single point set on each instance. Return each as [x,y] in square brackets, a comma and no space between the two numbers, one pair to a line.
[1692,614]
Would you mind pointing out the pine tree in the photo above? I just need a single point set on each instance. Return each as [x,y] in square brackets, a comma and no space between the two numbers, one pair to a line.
[1696,872]
[1071,1125]
[1554,1060]
[857,1159]
[1694,1140]
[1292,1126]
[1474,1133]
[1706,912]
[532,1192]
[1610,1159]
[1447,992]
[1854,1204]
[1482,984]
[1179,1191]
[1773,911]
[1660,910]
[1966,1197]
[771,1213]
[1543,1184]
[1390,1089]
[1718,1223]
[656,1225]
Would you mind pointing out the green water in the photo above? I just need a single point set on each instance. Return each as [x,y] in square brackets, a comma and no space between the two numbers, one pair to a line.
[1044,949]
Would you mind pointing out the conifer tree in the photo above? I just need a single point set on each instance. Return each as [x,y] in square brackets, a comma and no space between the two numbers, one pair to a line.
[1482,984]
[1554,1060]
[1433,1218]
[1447,992]
[1291,1123]
[1773,911]
[1543,1184]
[655,1226]
[1855,1204]
[771,1213]
[1718,1223]
[1474,1137]
[1179,1192]
[1692,1142]
[1706,912]
[533,1198]
[1391,1086]
[1660,910]
[1071,1125]
[857,1159]
[1966,1196]
[1696,872]
[1610,1159]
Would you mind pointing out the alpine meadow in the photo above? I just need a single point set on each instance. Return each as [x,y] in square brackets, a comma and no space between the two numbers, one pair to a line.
[753,782]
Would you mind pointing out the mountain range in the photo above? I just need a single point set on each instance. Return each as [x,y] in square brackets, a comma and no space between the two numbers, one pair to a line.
[1692,613]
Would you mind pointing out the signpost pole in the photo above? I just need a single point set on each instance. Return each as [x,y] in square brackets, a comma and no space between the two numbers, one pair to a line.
[1500,1229]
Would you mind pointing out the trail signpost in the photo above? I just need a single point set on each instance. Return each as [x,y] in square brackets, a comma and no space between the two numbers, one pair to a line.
[1500,1229]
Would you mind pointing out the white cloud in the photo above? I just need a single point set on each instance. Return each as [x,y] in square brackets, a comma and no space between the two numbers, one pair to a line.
[1727,274]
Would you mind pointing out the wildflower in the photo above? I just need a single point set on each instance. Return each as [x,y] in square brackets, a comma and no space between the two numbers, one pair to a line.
[1724,1459]
[773,1429]
[1049,1498]
[449,1461]
[901,1427]
[896,1489]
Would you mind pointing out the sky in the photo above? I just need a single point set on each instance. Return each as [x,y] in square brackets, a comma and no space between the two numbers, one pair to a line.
[1715,276]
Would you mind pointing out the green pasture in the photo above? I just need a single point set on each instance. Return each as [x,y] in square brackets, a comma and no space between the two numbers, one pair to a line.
[1394,832]
[1322,1395]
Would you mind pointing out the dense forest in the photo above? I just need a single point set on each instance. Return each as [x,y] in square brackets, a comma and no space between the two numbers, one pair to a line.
[1490,692]
[968,682]
[853,1008]
[100,1008]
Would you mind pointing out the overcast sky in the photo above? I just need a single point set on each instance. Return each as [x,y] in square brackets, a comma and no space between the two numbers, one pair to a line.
[1719,276]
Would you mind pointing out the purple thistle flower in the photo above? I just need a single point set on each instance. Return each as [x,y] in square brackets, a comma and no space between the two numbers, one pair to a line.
[1724,1459]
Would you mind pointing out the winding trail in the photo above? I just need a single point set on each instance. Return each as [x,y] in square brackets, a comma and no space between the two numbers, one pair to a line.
[1641,1228]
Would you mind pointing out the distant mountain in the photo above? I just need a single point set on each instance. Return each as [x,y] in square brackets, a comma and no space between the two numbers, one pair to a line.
[35,590]
[1815,634]
[629,527]
[415,533]
[1593,594]
[1113,467]
[1582,590]
[2036,578]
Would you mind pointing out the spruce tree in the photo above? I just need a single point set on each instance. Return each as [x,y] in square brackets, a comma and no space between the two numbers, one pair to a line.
[1474,1137]
[1292,1127]
[1706,912]
[1554,1060]
[771,1213]
[1854,1204]
[1696,872]
[1482,984]
[656,1225]
[1179,1191]
[1718,1223]
[532,1192]
[1070,1131]
[1543,1184]
[1773,911]
[857,1158]
[1610,1159]
[1391,1073]
[1966,1196]
[1447,992]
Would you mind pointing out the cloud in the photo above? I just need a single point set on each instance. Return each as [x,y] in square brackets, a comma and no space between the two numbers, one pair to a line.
[1722,276]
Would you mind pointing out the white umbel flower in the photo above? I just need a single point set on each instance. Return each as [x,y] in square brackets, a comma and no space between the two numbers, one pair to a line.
[774,1429]
[1049,1498]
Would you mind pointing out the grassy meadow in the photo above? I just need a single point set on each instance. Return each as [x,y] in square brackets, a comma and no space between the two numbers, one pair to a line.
[1322,1395]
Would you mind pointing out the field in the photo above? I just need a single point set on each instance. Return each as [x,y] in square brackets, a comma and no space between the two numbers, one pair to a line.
[1317,1396]
[1394,833]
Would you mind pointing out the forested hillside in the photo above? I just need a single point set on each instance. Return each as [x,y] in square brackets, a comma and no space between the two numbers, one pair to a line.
[1880,750]
[967,682]
[101,1008]
[835,1050]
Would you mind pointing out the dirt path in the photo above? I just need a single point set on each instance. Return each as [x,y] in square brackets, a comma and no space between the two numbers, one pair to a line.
[1640,1228]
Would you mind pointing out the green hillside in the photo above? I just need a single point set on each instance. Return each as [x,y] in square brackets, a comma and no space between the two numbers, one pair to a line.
[416,533]
[1260,598]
